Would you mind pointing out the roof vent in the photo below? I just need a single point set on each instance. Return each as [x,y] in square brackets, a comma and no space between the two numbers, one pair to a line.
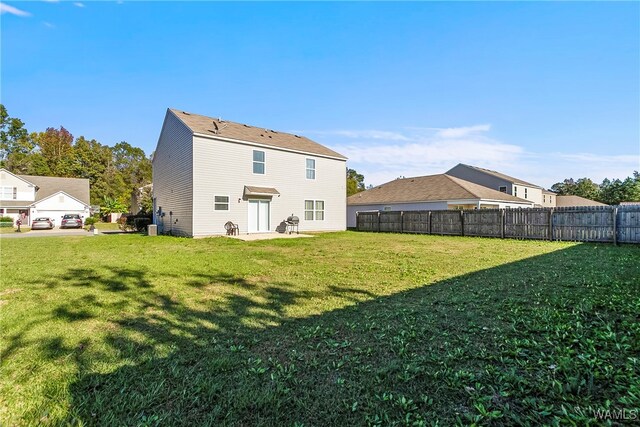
[184,112]
[297,136]
[269,136]
[215,127]
[246,126]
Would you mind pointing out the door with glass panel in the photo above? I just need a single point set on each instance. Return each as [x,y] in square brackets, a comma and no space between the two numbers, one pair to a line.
[259,216]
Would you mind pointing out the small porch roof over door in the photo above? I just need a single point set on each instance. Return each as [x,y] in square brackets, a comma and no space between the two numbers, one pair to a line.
[250,191]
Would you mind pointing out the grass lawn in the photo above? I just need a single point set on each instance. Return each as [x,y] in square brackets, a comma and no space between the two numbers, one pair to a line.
[342,329]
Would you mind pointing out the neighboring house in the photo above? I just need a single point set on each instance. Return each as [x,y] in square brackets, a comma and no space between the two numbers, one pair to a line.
[137,197]
[28,197]
[432,192]
[563,201]
[505,184]
[208,171]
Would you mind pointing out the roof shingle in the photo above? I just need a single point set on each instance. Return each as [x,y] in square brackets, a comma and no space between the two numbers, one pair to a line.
[225,129]
[428,188]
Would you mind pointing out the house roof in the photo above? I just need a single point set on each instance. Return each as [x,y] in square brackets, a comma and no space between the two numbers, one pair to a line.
[502,176]
[217,128]
[428,188]
[629,203]
[78,188]
[564,201]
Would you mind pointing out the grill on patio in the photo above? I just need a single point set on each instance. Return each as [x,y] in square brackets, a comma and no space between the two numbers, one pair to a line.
[292,224]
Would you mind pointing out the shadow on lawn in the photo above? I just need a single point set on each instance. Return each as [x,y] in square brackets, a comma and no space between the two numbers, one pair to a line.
[511,344]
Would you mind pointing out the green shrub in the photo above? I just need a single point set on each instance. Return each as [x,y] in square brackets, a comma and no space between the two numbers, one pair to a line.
[4,224]
[6,219]
[90,220]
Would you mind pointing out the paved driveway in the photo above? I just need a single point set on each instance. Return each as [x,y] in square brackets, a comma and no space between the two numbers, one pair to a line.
[44,233]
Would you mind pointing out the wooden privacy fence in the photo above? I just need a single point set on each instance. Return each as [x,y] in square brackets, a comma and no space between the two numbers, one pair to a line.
[614,224]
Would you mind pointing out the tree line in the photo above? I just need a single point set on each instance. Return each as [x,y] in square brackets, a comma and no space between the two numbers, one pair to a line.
[610,191]
[114,173]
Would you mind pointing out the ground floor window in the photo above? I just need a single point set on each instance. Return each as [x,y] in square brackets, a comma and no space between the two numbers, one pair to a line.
[314,210]
[221,203]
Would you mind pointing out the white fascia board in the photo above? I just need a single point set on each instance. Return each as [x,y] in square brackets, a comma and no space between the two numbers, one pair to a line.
[257,144]
[457,202]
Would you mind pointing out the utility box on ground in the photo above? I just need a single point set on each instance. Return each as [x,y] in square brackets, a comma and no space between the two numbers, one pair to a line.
[152,230]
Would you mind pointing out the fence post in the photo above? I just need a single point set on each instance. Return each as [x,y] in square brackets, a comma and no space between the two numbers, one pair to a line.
[429,219]
[502,222]
[357,222]
[551,224]
[402,221]
[462,222]
[615,226]
[378,226]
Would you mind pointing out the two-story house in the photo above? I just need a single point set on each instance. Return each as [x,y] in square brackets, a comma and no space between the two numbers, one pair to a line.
[28,197]
[505,184]
[207,171]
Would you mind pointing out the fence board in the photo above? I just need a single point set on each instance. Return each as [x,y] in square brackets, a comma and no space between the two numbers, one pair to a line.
[628,224]
[446,222]
[483,222]
[367,221]
[584,224]
[391,222]
[415,222]
[526,223]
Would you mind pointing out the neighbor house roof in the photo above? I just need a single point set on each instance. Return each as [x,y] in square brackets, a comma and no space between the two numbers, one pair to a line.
[218,128]
[428,188]
[77,188]
[562,201]
[502,176]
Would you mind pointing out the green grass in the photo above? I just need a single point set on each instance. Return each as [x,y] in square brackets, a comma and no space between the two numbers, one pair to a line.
[105,226]
[342,329]
[6,230]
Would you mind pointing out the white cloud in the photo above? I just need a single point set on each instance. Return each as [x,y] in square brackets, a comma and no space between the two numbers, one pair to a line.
[462,131]
[78,4]
[385,155]
[5,8]
[49,25]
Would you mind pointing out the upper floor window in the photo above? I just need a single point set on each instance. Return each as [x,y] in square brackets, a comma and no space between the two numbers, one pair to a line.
[258,162]
[544,198]
[311,169]
[515,191]
[525,192]
[503,188]
[9,193]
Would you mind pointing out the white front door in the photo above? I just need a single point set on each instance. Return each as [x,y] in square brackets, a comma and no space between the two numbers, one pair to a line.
[258,216]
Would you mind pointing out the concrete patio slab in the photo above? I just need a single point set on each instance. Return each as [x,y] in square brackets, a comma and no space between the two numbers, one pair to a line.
[267,236]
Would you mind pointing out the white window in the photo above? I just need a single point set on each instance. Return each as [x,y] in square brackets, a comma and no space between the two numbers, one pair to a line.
[544,198]
[314,210]
[9,193]
[258,162]
[503,188]
[311,169]
[515,191]
[221,203]
[525,192]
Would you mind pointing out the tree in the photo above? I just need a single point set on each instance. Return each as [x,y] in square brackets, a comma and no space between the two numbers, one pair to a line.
[616,191]
[355,182]
[56,146]
[583,187]
[13,135]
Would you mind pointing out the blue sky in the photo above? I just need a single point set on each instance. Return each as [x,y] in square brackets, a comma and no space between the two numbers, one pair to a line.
[541,91]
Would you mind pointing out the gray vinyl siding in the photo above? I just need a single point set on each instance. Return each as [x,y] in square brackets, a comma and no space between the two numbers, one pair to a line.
[481,178]
[423,206]
[223,168]
[173,177]
[472,175]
